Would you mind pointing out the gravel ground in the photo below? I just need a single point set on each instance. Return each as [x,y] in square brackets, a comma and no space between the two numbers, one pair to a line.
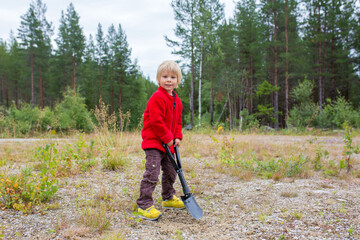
[312,208]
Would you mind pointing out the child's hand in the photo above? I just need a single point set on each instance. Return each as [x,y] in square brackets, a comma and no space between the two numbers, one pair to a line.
[170,143]
[177,142]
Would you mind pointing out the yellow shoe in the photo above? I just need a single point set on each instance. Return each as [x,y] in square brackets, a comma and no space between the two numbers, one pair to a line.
[174,203]
[150,213]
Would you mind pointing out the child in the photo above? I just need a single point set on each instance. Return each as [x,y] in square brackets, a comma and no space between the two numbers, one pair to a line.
[161,124]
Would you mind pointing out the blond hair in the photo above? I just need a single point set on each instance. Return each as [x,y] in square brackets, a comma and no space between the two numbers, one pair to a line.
[170,66]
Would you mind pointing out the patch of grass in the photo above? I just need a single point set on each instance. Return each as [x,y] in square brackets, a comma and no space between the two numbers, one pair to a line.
[297,215]
[289,194]
[242,174]
[52,206]
[97,219]
[114,160]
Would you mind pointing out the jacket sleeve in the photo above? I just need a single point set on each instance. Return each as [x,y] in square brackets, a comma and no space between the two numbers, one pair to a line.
[178,129]
[157,110]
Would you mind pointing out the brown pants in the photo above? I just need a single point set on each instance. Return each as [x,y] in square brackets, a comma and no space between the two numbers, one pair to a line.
[154,160]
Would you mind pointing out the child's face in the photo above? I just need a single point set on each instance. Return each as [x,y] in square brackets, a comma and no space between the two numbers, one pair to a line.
[168,81]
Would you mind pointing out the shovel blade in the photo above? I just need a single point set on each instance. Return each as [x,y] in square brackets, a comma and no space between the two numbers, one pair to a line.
[192,206]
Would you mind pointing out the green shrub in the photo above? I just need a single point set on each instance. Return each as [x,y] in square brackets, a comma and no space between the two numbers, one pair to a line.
[72,113]
[28,188]
[248,121]
[336,113]
[25,119]
[305,110]
[114,160]
[47,119]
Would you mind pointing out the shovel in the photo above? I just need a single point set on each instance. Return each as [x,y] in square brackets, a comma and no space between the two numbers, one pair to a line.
[189,201]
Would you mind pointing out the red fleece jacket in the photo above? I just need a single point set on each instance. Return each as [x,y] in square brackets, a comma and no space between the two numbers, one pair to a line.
[162,120]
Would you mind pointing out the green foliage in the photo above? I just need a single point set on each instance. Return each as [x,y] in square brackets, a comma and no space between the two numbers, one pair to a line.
[305,110]
[264,109]
[336,113]
[72,113]
[114,160]
[69,114]
[24,119]
[293,166]
[34,185]
[232,57]
[248,121]
[28,188]
[64,162]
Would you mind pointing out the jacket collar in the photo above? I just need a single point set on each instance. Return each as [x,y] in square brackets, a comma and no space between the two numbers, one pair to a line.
[166,93]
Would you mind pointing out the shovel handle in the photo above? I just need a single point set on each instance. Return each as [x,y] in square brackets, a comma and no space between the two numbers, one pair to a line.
[172,160]
[178,168]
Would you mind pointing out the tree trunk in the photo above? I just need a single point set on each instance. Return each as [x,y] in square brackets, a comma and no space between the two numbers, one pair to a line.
[276,93]
[120,91]
[211,96]
[251,82]
[319,59]
[200,91]
[16,92]
[3,90]
[192,85]
[73,77]
[324,52]
[286,63]
[41,93]
[112,100]
[32,78]
[100,82]
[333,81]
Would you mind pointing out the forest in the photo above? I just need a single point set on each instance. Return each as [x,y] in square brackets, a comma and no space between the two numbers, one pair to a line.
[277,64]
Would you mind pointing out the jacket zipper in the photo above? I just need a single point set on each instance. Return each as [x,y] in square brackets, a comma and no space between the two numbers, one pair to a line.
[173,118]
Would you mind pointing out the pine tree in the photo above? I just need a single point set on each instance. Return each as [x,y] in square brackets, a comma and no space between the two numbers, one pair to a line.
[185,14]
[119,63]
[211,15]
[71,44]
[4,61]
[35,33]
[101,52]
[250,35]
[89,86]
[17,65]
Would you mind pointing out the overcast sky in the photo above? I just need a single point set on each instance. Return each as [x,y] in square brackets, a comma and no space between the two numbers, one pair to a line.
[145,23]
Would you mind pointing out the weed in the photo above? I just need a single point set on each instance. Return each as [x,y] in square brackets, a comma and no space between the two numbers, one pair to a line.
[262,218]
[95,218]
[23,190]
[351,231]
[179,235]
[319,154]
[114,160]
[2,235]
[349,148]
[282,237]
[2,162]
[297,215]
